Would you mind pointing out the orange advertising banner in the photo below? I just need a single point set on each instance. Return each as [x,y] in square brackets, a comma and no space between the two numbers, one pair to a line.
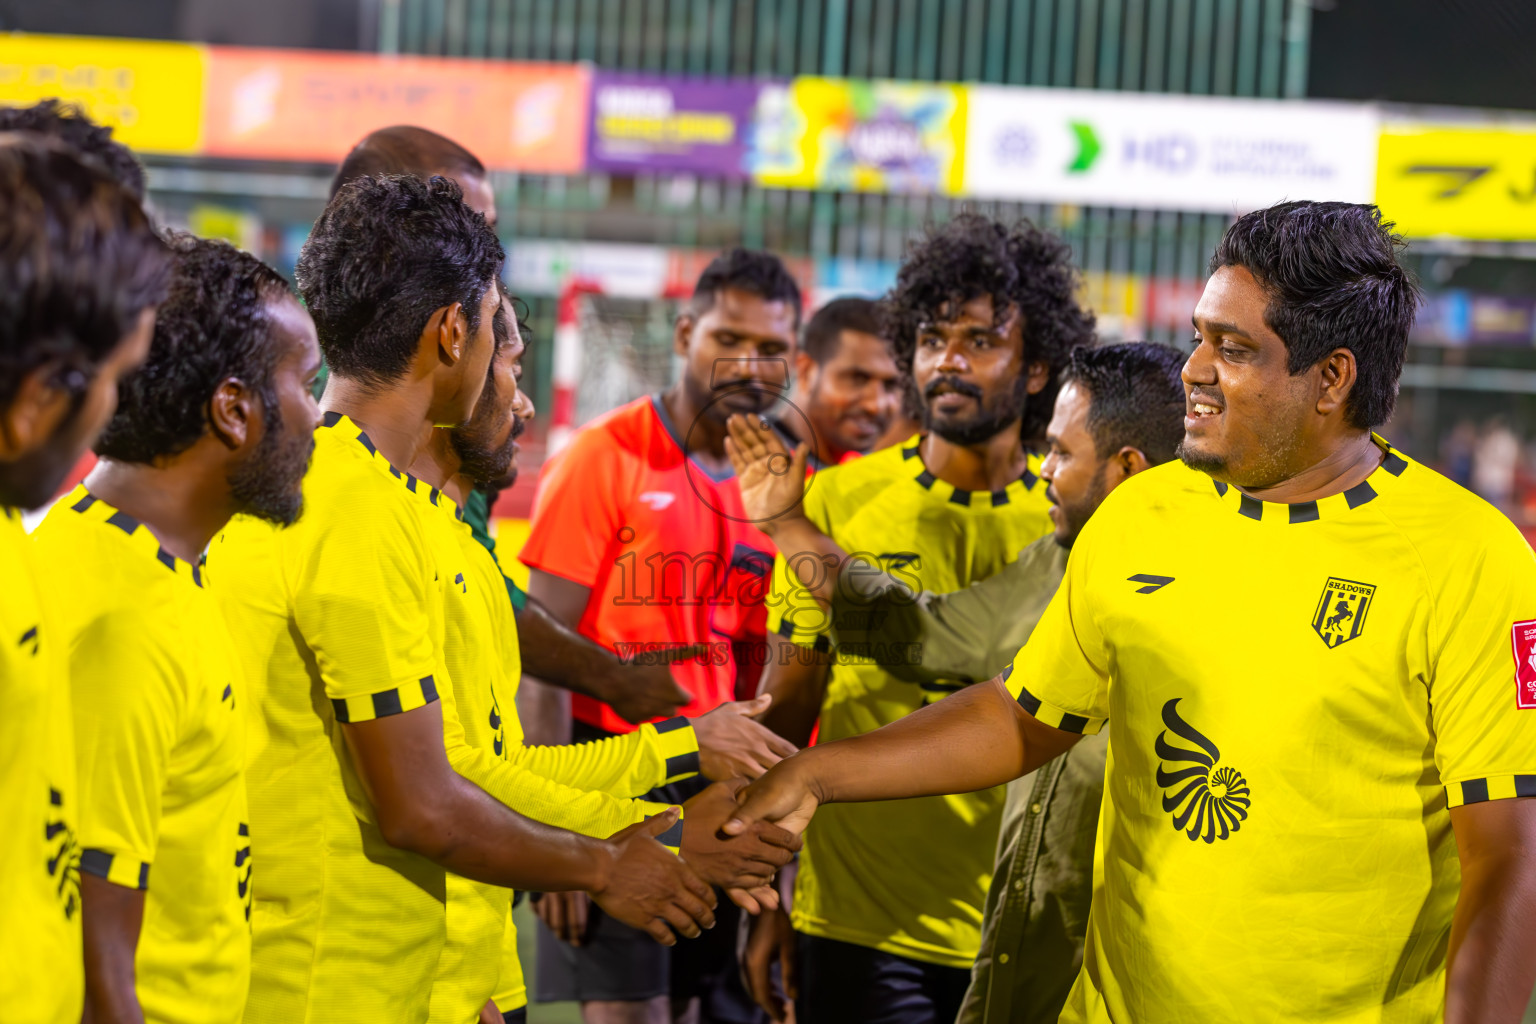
[298,105]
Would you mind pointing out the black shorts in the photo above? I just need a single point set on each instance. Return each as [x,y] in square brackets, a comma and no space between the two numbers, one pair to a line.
[617,963]
[517,1016]
[841,983]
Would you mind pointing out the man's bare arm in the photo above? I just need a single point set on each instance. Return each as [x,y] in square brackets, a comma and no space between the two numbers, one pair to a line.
[796,679]
[424,806]
[112,918]
[1492,959]
[544,706]
[974,739]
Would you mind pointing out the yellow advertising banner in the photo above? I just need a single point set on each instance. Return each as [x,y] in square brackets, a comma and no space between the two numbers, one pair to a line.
[150,93]
[1466,182]
[861,136]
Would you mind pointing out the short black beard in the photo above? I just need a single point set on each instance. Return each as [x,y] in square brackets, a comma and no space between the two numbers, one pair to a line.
[486,467]
[1204,462]
[988,422]
[270,484]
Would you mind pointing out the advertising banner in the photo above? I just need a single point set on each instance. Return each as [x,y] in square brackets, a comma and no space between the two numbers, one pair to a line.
[665,123]
[297,105]
[1467,182]
[150,94]
[861,136]
[1165,152]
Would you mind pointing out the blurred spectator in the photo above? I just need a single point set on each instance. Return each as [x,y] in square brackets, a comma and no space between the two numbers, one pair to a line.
[1494,461]
[1456,452]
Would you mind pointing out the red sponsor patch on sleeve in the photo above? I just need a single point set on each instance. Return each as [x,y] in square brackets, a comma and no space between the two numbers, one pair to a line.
[1523,637]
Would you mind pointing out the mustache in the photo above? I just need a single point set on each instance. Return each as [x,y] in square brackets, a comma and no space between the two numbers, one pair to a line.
[954,384]
[518,426]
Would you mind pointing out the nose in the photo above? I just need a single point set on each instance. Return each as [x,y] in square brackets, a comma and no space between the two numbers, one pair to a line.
[523,407]
[953,360]
[1048,467]
[1199,368]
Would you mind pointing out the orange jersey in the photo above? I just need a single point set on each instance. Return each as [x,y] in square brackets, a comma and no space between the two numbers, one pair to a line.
[665,548]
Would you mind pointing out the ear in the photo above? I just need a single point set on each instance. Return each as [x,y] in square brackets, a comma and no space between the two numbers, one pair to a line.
[450,332]
[1036,376]
[1338,374]
[1127,462]
[39,405]
[805,370]
[232,413]
[683,332]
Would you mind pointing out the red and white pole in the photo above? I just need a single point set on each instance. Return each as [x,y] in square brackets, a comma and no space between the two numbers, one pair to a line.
[567,368]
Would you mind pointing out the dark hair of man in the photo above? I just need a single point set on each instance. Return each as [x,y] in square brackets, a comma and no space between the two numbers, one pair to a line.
[1334,281]
[387,253]
[212,326]
[824,331]
[79,261]
[405,149]
[757,273]
[1019,266]
[68,124]
[1135,397]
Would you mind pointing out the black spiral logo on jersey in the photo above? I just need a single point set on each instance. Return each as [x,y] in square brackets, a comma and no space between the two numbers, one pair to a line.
[1211,802]
[63,862]
[243,863]
[498,734]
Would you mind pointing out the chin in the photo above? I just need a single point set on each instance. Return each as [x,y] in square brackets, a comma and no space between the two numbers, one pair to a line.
[1202,459]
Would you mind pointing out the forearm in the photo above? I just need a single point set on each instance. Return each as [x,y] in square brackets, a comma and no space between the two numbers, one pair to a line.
[110,922]
[1492,958]
[562,657]
[969,741]
[811,555]
[626,765]
[545,710]
[796,680]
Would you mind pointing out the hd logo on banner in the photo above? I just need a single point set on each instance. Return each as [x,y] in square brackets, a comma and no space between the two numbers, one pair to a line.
[1165,152]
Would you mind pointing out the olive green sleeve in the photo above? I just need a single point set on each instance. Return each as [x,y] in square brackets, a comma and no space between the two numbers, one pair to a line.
[969,635]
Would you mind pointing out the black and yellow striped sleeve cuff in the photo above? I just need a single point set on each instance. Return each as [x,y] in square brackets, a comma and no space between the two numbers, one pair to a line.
[1494,787]
[678,746]
[401,699]
[672,838]
[128,872]
[1058,718]
[816,640]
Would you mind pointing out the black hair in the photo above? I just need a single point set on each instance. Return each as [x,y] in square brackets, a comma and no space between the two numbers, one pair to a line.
[212,326]
[79,261]
[758,273]
[1019,266]
[388,252]
[405,149]
[69,124]
[824,331]
[1334,281]
[1135,397]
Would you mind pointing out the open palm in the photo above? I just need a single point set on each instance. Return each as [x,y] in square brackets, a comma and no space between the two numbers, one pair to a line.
[772,479]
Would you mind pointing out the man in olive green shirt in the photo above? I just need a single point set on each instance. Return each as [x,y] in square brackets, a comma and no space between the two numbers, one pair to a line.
[1120,411]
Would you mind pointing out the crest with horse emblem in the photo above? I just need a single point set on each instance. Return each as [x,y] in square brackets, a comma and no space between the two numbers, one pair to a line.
[1341,611]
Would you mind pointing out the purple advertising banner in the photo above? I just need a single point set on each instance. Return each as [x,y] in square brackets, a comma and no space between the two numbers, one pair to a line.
[671,123]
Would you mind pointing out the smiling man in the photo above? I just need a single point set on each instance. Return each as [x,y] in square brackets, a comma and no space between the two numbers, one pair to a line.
[1311,812]
[888,900]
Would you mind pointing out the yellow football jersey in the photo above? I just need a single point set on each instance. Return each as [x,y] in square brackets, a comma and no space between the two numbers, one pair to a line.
[1295,694]
[160,747]
[906,876]
[338,618]
[42,977]
[585,787]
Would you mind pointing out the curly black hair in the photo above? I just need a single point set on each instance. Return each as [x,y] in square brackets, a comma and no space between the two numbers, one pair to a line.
[212,326]
[1334,281]
[79,261]
[1018,266]
[94,142]
[388,252]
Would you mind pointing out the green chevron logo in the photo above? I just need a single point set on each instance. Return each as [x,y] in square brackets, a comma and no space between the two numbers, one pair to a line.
[1087,147]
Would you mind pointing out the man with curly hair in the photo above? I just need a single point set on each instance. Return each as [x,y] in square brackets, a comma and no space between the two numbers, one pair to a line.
[888,900]
[91,142]
[219,421]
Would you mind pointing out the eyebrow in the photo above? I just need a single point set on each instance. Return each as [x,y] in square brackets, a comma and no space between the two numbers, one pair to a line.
[1220,328]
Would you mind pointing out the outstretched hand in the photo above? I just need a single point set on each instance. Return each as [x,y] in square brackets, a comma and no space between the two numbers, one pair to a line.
[772,478]
[783,797]
[733,743]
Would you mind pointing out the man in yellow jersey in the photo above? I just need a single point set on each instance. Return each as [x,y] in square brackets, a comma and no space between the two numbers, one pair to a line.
[218,421]
[81,272]
[1120,411]
[888,898]
[1314,655]
[590,787]
[638,691]
[339,619]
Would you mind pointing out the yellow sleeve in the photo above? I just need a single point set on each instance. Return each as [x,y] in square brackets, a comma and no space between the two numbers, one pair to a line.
[627,765]
[362,597]
[1483,691]
[793,612]
[124,689]
[1061,676]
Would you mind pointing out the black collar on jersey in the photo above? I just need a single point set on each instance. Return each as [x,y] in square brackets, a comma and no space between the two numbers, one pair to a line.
[412,484]
[1392,465]
[928,481]
[791,442]
[132,527]
[677,439]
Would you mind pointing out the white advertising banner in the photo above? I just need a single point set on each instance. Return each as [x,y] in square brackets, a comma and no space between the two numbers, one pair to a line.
[1165,152]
